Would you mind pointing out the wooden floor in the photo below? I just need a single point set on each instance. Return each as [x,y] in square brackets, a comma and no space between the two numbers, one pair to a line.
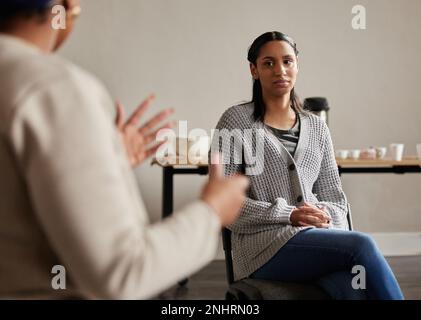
[210,283]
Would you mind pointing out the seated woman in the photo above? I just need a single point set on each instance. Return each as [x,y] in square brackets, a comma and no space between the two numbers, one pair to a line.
[293,226]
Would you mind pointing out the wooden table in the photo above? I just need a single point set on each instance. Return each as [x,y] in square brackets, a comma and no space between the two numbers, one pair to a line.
[407,165]
[169,170]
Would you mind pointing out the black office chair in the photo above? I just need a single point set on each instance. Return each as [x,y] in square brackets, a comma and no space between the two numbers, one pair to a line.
[258,289]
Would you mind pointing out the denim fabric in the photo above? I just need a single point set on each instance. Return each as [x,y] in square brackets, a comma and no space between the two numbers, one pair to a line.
[326,257]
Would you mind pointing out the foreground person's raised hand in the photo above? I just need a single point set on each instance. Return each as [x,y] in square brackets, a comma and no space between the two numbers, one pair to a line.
[224,195]
[139,141]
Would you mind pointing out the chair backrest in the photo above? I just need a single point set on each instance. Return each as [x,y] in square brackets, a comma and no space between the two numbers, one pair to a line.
[349,218]
[226,243]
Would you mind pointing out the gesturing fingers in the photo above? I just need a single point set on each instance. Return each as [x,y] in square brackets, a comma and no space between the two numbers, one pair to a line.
[137,114]
[152,136]
[151,124]
[152,150]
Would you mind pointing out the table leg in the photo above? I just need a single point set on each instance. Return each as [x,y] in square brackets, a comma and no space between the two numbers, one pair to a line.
[168,200]
[167,191]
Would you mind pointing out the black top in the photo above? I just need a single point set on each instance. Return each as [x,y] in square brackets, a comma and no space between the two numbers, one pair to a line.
[289,138]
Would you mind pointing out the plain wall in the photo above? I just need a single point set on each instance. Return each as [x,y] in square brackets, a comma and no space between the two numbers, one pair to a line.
[192,54]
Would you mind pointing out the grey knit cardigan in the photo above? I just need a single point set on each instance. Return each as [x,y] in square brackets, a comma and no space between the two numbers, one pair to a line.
[281,184]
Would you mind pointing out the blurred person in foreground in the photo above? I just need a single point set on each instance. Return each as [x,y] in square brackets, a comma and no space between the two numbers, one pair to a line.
[68,192]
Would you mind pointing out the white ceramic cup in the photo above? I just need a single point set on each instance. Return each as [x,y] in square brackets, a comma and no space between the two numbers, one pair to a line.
[355,154]
[419,151]
[342,154]
[396,151]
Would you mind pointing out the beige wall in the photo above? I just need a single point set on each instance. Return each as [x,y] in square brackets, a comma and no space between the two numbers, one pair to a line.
[191,53]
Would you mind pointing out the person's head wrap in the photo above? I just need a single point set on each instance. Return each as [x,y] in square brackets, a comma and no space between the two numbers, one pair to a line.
[12,8]
[23,5]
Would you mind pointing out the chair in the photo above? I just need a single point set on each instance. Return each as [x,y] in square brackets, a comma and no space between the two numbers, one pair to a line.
[258,289]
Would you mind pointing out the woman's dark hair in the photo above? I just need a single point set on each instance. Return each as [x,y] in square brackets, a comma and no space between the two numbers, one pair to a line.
[253,53]
[11,9]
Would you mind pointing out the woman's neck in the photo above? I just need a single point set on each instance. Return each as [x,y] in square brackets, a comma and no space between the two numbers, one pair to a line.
[279,113]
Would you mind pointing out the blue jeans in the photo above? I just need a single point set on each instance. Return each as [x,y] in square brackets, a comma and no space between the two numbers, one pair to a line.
[326,257]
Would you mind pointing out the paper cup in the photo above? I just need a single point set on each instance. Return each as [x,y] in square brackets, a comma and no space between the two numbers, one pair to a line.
[396,151]
[419,151]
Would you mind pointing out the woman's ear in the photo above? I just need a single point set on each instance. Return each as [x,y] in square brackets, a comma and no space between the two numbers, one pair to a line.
[253,71]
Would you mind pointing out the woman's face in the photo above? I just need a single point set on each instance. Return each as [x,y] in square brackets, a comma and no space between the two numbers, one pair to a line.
[276,68]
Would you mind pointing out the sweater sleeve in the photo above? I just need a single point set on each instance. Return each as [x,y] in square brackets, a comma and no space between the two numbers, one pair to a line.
[254,215]
[257,216]
[328,186]
[81,189]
